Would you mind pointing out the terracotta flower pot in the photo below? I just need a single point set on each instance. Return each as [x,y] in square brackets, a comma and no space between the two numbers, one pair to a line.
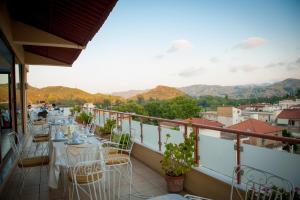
[174,183]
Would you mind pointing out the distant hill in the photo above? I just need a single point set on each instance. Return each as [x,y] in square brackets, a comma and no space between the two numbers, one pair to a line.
[4,93]
[129,93]
[282,88]
[65,95]
[160,92]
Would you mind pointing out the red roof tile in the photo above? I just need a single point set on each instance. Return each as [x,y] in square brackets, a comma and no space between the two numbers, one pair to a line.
[289,114]
[257,126]
[170,124]
[203,121]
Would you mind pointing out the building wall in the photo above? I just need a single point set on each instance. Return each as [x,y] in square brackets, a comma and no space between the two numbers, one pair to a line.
[282,121]
[207,132]
[224,111]
[210,116]
[227,121]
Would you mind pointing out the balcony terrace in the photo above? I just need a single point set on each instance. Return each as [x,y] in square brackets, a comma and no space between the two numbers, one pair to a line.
[215,160]
[146,183]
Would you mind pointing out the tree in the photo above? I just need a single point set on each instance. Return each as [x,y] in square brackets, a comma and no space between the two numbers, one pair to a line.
[106,103]
[140,99]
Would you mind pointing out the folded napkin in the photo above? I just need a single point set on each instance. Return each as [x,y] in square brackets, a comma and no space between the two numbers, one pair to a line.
[87,131]
[59,135]
[76,137]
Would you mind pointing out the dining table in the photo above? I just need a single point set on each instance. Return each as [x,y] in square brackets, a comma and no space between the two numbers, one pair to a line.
[58,147]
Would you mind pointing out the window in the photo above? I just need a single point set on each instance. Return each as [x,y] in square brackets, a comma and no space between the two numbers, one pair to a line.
[292,122]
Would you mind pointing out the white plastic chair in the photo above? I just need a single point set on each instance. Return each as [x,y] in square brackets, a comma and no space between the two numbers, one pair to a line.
[92,180]
[259,184]
[119,156]
[79,154]
[24,157]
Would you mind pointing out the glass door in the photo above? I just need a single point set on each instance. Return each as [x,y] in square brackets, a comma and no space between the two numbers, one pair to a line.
[5,113]
[6,93]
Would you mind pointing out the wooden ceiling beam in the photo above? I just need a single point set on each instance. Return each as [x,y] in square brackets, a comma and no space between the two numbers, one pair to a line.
[24,34]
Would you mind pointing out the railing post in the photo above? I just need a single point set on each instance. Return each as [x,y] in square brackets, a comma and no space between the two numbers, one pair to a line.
[99,115]
[141,124]
[185,131]
[129,120]
[159,137]
[121,122]
[103,117]
[238,158]
[196,153]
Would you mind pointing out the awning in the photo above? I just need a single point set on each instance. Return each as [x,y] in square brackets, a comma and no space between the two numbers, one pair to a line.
[57,29]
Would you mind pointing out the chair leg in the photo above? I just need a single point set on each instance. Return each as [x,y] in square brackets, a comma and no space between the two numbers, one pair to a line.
[130,178]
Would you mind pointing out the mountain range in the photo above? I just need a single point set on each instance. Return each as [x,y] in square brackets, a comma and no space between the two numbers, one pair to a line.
[282,88]
[66,94]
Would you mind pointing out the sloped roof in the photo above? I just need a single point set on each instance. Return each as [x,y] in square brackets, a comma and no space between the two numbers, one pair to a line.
[74,20]
[203,121]
[289,114]
[170,124]
[257,126]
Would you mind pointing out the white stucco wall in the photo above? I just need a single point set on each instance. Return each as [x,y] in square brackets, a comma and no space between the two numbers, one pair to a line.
[282,121]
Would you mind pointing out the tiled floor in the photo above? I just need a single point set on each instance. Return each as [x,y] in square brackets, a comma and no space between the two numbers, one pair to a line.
[146,183]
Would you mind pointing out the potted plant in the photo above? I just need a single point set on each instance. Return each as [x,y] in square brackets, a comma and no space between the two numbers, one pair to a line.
[108,126]
[84,118]
[178,159]
[74,110]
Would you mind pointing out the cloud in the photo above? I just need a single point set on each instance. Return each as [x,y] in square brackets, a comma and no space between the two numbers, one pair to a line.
[177,45]
[250,43]
[243,68]
[274,65]
[214,59]
[292,65]
[192,72]
[159,56]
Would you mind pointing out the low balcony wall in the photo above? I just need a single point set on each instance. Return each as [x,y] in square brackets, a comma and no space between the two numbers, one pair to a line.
[196,182]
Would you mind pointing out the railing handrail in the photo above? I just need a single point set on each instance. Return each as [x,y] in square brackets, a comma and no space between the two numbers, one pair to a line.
[226,130]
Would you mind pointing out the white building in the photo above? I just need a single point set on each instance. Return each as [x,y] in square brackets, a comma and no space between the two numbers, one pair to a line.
[285,104]
[290,119]
[210,115]
[229,115]
[206,122]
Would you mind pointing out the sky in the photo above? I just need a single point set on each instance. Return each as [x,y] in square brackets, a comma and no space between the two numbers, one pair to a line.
[178,43]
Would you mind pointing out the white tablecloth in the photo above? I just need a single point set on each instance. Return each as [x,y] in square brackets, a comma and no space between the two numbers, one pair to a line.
[58,157]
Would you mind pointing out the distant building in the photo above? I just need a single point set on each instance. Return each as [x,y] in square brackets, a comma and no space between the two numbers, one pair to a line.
[210,115]
[169,125]
[89,105]
[206,122]
[229,115]
[269,117]
[285,104]
[256,126]
[290,119]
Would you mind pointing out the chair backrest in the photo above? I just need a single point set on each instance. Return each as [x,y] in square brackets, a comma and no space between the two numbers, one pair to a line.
[76,154]
[16,143]
[126,142]
[92,180]
[259,184]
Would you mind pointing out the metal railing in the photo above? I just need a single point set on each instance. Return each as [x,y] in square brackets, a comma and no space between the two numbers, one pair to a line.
[196,127]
